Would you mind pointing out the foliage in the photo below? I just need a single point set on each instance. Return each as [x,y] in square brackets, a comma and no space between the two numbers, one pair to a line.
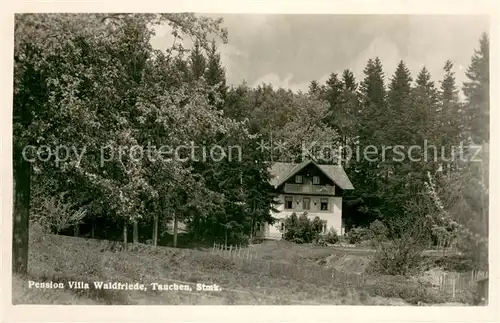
[356,235]
[103,88]
[477,92]
[413,292]
[399,245]
[98,80]
[56,214]
[301,229]
[330,236]
[468,232]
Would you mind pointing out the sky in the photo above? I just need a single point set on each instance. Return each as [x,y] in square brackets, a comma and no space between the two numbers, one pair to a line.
[291,50]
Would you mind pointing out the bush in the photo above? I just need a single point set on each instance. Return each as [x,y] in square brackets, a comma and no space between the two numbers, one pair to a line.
[301,229]
[399,245]
[453,263]
[413,292]
[356,235]
[56,214]
[378,228]
[330,237]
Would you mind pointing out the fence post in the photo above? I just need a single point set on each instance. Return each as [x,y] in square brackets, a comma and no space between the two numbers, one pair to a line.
[453,289]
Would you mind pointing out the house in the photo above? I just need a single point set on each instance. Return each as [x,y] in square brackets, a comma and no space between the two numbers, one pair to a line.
[307,187]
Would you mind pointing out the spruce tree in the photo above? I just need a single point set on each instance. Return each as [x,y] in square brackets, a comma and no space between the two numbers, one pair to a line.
[451,116]
[425,116]
[316,89]
[333,91]
[349,107]
[197,62]
[399,107]
[349,81]
[477,92]
[215,75]
[365,204]
[396,174]
[373,85]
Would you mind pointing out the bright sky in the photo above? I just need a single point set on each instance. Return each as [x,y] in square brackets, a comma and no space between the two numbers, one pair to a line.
[291,50]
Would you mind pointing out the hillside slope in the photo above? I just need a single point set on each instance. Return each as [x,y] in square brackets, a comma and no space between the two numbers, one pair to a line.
[64,259]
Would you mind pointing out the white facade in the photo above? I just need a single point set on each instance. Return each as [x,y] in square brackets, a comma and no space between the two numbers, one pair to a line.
[332,215]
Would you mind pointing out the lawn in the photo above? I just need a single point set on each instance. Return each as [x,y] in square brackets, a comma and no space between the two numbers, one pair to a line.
[64,259]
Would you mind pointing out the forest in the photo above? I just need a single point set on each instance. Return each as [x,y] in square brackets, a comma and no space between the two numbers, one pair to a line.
[106,86]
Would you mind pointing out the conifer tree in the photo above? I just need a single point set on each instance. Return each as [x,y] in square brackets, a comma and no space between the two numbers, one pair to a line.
[399,107]
[425,112]
[373,85]
[364,204]
[349,109]
[197,62]
[477,92]
[316,89]
[215,75]
[451,116]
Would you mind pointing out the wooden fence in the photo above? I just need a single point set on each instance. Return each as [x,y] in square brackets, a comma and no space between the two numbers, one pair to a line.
[454,283]
[248,260]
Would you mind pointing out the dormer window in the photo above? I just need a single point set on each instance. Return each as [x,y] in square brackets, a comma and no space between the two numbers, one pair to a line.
[316,180]
[298,179]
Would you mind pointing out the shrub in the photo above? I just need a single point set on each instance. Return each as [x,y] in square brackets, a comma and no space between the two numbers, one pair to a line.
[301,229]
[330,237]
[356,235]
[453,263]
[399,245]
[378,228]
[214,262]
[55,214]
[297,240]
[413,292]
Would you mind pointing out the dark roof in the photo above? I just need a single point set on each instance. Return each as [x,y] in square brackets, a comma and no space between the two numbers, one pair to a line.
[281,172]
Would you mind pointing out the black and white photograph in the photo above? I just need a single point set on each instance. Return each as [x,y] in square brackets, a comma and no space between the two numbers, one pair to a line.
[190,158]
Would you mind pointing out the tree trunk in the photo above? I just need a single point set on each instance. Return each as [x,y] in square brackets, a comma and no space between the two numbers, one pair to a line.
[76,231]
[125,236]
[155,231]
[22,193]
[225,236]
[92,230]
[135,236]
[175,230]
[343,161]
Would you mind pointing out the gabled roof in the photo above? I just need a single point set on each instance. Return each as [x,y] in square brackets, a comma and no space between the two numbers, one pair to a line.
[281,172]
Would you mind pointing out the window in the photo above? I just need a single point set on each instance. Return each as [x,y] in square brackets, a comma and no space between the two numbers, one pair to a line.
[324,204]
[298,179]
[316,180]
[288,202]
[306,203]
